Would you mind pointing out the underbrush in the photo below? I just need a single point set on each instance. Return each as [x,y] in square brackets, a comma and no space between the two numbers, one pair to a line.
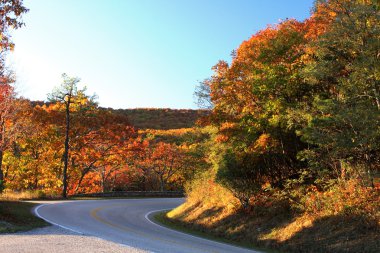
[343,218]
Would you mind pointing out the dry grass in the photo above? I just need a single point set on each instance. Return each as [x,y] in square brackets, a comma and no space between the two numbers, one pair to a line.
[345,219]
[26,195]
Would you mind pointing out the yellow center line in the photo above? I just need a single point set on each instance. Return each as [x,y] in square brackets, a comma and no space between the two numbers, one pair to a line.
[94,214]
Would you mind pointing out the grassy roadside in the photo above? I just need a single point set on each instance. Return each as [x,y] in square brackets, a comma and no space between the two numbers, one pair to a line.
[162,219]
[17,216]
[279,229]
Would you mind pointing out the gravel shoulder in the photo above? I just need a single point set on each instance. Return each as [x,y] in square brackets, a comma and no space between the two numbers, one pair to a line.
[58,240]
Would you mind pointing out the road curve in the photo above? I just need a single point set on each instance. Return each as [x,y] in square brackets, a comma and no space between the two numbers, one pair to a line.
[126,221]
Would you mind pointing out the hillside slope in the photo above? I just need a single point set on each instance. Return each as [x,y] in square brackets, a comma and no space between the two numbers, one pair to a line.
[155,118]
[162,118]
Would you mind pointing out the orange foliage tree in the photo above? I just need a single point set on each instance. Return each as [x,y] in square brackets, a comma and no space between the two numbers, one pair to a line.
[102,149]
[162,160]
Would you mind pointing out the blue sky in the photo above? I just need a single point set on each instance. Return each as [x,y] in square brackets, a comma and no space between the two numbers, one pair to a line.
[136,53]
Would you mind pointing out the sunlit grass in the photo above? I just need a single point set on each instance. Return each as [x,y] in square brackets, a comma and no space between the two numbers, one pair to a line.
[345,218]
[26,195]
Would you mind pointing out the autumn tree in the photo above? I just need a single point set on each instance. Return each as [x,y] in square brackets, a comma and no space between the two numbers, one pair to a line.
[98,139]
[101,145]
[32,163]
[74,100]
[10,18]
[166,161]
[6,107]
[12,123]
[298,97]
[255,99]
[160,160]
[345,116]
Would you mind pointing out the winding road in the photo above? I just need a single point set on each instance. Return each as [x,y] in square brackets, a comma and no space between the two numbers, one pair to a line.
[127,222]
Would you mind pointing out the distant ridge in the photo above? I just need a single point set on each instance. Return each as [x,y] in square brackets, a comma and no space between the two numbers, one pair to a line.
[156,118]
[163,118]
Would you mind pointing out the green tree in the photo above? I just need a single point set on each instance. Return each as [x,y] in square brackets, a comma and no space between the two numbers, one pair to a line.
[256,99]
[344,123]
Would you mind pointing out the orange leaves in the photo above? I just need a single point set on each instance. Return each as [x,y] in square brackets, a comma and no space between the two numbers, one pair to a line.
[5,89]
[10,18]
[248,49]
[98,143]
[321,19]
[226,126]
[159,161]
[262,143]
[226,129]
[348,196]
[221,138]
[262,68]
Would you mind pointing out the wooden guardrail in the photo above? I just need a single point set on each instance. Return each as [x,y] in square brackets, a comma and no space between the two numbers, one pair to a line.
[164,194]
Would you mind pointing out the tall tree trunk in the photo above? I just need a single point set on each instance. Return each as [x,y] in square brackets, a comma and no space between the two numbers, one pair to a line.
[162,183]
[1,172]
[103,180]
[2,141]
[66,152]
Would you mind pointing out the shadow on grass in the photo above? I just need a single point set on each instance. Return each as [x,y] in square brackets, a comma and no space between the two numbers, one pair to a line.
[247,226]
[188,210]
[336,234]
[17,216]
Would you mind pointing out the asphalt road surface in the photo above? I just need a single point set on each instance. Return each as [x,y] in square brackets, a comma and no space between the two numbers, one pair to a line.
[127,222]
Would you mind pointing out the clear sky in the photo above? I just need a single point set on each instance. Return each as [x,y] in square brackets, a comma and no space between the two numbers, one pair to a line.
[136,53]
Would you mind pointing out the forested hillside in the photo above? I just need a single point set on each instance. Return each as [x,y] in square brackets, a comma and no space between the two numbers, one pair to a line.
[162,118]
[156,118]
